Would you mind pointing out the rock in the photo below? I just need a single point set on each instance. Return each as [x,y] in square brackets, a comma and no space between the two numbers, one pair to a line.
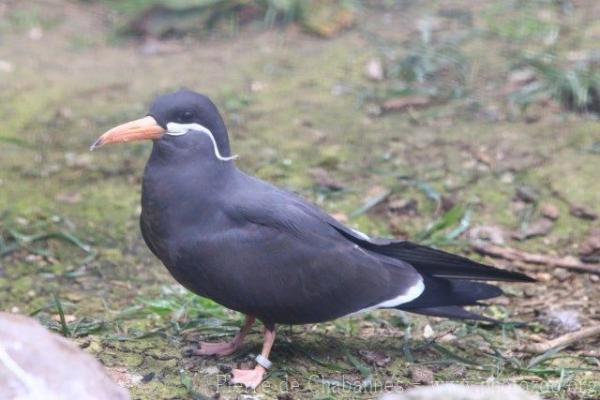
[374,70]
[36,364]
[210,370]
[563,320]
[550,211]
[421,375]
[123,377]
[487,233]
[428,332]
[527,194]
[591,246]
[451,391]
[561,274]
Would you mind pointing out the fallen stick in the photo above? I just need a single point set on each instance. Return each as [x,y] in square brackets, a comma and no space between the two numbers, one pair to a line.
[563,341]
[511,254]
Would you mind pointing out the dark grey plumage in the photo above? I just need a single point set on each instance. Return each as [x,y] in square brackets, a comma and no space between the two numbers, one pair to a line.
[265,252]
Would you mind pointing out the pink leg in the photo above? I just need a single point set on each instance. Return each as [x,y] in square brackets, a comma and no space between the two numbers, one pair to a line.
[251,378]
[226,348]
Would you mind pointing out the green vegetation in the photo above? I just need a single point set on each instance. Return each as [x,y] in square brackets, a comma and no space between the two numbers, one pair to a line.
[497,119]
[180,17]
[576,87]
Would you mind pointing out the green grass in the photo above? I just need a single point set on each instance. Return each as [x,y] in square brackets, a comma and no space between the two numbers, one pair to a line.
[293,103]
[576,86]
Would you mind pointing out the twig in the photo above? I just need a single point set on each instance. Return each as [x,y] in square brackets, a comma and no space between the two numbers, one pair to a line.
[511,254]
[563,341]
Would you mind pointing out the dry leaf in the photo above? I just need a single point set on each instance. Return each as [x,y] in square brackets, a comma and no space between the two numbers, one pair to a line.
[541,227]
[376,358]
[583,212]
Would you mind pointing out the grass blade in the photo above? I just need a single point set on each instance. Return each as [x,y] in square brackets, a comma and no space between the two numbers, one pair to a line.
[61,314]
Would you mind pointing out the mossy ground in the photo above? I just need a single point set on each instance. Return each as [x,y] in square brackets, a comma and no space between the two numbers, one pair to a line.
[293,103]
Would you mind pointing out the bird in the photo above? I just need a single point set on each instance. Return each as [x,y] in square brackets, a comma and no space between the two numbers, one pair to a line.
[266,252]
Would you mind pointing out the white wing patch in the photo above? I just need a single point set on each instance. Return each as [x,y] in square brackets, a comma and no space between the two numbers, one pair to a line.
[412,293]
[175,129]
[361,235]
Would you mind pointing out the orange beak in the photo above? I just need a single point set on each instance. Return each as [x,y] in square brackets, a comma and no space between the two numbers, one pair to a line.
[141,129]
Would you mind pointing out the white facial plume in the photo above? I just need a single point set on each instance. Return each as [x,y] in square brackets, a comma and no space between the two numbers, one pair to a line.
[175,129]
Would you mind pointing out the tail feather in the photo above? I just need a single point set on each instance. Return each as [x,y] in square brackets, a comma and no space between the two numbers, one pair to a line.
[445,265]
[434,262]
[445,298]
[444,292]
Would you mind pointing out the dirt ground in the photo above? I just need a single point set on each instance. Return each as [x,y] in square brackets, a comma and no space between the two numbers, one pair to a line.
[315,116]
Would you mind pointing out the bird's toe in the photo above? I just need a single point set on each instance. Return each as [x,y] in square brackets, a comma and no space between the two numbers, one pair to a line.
[214,349]
[250,378]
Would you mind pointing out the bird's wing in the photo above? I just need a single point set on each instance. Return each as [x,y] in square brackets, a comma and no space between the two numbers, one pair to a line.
[278,260]
[424,259]
[447,277]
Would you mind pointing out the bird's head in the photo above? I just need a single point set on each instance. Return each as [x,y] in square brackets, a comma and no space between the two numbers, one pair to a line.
[173,118]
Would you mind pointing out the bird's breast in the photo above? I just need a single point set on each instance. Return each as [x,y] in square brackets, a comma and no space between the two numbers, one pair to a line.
[176,220]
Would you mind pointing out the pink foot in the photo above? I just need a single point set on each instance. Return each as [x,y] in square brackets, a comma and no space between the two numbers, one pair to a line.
[215,349]
[250,378]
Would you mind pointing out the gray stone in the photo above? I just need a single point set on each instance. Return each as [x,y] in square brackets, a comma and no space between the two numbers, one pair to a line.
[36,364]
[450,391]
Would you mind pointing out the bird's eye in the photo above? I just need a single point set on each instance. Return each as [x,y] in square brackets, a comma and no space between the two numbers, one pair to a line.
[186,116]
